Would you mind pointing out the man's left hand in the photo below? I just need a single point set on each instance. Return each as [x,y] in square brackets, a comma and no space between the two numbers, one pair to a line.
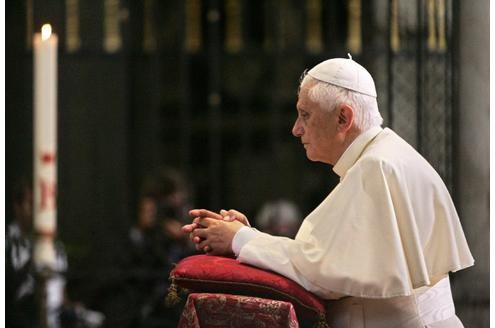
[216,235]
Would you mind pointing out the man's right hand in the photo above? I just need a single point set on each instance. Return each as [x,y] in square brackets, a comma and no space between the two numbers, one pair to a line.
[198,214]
[232,215]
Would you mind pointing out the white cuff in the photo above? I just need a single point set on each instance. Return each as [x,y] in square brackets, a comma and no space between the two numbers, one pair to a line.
[242,237]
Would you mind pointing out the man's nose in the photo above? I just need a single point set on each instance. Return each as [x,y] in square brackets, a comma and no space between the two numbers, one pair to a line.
[297,130]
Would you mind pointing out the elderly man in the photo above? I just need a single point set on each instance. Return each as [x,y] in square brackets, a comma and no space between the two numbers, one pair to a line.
[382,244]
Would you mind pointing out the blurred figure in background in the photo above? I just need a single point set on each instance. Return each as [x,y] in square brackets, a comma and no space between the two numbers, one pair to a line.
[155,244]
[143,252]
[144,262]
[174,203]
[279,218]
[20,272]
[20,302]
[21,288]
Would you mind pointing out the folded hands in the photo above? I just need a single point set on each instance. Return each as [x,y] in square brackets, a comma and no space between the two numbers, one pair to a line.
[213,232]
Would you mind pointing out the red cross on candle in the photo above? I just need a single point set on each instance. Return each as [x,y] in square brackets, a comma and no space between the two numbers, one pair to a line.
[47,158]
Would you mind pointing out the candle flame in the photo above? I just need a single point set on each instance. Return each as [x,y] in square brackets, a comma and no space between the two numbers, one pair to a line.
[46,31]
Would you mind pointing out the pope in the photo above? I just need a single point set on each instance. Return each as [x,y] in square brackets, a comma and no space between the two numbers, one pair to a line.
[381,245]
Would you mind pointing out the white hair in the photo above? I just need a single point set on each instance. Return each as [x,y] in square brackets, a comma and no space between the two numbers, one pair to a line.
[329,96]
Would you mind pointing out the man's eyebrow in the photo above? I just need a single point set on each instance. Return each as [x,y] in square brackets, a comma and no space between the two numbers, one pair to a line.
[301,108]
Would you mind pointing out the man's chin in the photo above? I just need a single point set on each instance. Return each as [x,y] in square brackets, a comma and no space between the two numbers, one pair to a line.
[310,157]
[314,158]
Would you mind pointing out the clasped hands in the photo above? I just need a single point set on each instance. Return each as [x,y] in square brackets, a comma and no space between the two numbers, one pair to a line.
[213,232]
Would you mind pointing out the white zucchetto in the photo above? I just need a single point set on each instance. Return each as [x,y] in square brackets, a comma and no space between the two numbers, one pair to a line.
[345,73]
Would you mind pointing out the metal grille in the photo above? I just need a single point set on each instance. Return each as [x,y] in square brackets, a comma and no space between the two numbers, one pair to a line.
[403,105]
[237,77]
[420,86]
[436,120]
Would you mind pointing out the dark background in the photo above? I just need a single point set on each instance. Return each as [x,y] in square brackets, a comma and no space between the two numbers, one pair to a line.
[222,116]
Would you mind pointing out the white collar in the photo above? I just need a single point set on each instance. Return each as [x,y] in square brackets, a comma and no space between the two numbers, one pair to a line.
[354,151]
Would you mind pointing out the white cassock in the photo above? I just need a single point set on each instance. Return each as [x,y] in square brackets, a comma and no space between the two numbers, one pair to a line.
[387,230]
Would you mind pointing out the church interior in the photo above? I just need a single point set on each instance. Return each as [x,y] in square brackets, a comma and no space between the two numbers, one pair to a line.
[194,101]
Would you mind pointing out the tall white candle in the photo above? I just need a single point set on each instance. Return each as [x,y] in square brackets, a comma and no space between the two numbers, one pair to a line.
[45,144]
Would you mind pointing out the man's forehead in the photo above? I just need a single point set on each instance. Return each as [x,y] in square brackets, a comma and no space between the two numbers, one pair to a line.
[300,105]
[304,102]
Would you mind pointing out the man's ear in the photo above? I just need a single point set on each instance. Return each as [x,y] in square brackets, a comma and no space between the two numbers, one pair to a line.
[346,118]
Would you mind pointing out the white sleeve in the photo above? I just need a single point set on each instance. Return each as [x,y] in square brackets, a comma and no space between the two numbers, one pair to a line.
[244,235]
[270,253]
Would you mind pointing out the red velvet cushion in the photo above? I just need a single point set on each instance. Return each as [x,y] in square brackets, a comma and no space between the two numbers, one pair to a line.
[206,273]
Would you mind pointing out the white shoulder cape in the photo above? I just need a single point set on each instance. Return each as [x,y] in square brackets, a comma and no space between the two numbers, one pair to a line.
[387,228]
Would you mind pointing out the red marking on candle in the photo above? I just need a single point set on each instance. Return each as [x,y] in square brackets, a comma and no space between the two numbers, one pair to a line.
[48,195]
[45,234]
[47,158]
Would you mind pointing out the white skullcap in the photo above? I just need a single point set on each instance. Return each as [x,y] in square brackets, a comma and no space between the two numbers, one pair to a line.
[345,73]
